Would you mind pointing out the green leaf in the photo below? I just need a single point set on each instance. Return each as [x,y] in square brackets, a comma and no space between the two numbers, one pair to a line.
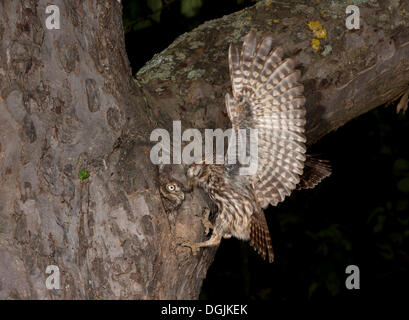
[385,150]
[396,238]
[83,174]
[403,221]
[313,287]
[403,185]
[142,25]
[374,213]
[133,9]
[332,284]
[380,223]
[189,8]
[156,7]
[386,251]
[401,166]
[402,205]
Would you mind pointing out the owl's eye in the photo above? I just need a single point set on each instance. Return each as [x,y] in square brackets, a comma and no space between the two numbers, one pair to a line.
[170,187]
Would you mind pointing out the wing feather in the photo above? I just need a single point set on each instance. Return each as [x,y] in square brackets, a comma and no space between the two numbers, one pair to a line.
[268,97]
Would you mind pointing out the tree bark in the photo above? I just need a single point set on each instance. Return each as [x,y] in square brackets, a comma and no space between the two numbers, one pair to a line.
[68,102]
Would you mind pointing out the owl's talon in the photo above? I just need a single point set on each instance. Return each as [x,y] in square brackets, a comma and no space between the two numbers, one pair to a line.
[193,246]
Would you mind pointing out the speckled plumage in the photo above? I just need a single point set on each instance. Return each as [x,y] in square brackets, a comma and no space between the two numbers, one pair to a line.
[267,97]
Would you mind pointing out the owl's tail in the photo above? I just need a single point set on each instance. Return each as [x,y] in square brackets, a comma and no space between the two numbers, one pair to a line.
[260,236]
[315,170]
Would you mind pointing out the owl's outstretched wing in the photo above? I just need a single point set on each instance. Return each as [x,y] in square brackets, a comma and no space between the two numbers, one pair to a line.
[268,97]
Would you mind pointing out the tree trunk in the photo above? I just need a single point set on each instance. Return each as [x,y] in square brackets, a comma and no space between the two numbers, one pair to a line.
[68,103]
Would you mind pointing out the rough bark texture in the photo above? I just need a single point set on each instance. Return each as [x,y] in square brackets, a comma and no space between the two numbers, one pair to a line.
[68,102]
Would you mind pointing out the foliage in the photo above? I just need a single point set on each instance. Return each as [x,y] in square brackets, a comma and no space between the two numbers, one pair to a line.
[141,14]
[83,174]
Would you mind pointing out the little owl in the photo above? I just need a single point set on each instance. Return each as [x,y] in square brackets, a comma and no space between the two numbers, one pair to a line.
[267,97]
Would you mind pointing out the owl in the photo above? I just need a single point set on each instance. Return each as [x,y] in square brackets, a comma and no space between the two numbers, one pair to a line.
[172,194]
[266,96]
[171,190]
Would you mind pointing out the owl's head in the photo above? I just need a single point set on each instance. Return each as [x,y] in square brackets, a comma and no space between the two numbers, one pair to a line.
[193,174]
[198,174]
[194,171]
[173,192]
[171,185]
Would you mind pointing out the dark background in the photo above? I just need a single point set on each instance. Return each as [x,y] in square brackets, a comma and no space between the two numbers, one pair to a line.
[358,216]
